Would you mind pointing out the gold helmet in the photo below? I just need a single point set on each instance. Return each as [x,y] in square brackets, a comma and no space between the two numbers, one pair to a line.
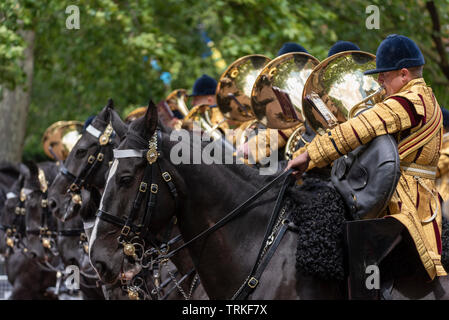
[338,90]
[276,97]
[60,138]
[235,86]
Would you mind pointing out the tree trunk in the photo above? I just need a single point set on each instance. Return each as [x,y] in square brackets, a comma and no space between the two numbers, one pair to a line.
[436,36]
[14,107]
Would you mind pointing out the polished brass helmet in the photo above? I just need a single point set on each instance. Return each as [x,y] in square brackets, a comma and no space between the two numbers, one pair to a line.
[276,97]
[60,138]
[337,90]
[235,86]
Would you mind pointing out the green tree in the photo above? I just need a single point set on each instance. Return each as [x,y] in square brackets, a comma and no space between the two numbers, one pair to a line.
[76,71]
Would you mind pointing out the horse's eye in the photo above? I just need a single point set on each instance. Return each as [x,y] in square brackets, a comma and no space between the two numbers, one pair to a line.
[125,180]
[80,153]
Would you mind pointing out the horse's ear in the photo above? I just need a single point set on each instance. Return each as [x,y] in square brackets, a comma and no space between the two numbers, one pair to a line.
[110,104]
[33,170]
[104,113]
[23,168]
[117,123]
[151,118]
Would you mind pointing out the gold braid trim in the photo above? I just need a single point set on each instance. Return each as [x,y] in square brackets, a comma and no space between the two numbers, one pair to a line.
[377,125]
[369,127]
[361,129]
[389,120]
[397,119]
[397,108]
[348,133]
[408,217]
[345,147]
[316,154]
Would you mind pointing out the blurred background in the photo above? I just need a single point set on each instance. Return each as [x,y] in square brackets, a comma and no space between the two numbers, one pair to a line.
[133,50]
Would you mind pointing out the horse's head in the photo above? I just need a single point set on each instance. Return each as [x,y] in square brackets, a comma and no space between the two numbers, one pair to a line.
[12,216]
[41,227]
[137,204]
[72,243]
[87,164]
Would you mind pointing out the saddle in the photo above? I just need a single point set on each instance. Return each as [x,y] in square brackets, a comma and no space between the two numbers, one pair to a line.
[367,177]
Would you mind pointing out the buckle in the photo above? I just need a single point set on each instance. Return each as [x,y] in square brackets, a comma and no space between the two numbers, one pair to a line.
[166,176]
[154,188]
[73,187]
[253,282]
[125,230]
[100,157]
[91,159]
[143,187]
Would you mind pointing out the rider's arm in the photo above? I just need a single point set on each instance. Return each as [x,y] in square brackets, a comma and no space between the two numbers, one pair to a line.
[390,116]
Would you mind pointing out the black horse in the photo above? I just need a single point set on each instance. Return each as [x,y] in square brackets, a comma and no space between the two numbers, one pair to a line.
[61,195]
[86,166]
[28,280]
[225,257]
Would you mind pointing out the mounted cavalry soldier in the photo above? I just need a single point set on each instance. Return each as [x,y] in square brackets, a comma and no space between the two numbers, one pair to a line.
[203,95]
[282,135]
[293,137]
[411,114]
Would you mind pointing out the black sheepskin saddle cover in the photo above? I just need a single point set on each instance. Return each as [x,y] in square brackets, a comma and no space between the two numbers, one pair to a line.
[319,213]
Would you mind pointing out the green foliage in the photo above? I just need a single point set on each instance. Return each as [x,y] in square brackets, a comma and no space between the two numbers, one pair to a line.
[76,71]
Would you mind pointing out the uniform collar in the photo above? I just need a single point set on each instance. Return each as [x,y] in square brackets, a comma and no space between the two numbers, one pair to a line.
[414,82]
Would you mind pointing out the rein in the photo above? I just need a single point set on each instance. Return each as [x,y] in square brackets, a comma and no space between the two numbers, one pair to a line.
[237,211]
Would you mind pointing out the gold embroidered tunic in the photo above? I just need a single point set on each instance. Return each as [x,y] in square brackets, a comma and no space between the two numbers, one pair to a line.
[442,181]
[414,118]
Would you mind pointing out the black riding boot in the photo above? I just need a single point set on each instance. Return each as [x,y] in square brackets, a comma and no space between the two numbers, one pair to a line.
[368,242]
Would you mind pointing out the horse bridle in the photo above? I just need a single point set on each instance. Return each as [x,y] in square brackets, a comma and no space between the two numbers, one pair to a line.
[105,139]
[14,233]
[133,235]
[46,233]
[273,235]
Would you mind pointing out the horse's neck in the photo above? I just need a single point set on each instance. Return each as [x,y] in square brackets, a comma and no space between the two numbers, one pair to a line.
[232,250]
[182,260]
